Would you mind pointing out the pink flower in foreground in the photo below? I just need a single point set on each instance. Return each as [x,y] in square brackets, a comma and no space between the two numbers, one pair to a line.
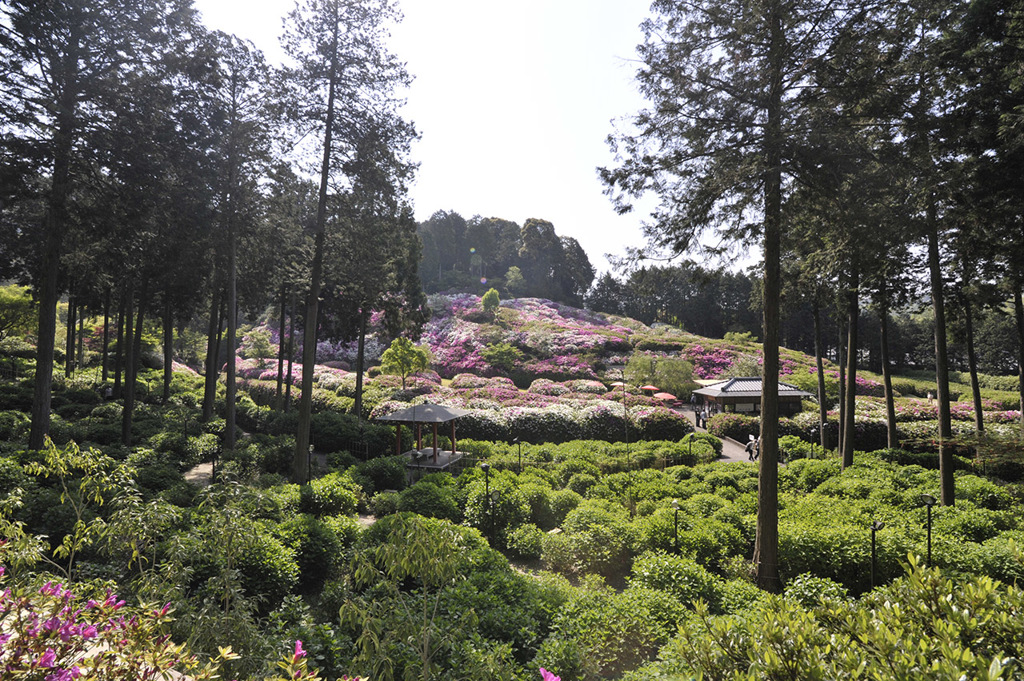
[548,676]
[299,652]
[48,658]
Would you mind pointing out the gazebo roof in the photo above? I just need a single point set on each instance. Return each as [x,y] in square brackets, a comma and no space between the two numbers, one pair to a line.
[425,413]
[747,387]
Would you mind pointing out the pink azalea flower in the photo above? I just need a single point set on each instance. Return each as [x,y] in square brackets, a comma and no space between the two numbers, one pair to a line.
[548,676]
[48,658]
[299,652]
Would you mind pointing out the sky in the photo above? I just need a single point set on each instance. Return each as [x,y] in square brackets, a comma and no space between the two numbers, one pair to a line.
[513,102]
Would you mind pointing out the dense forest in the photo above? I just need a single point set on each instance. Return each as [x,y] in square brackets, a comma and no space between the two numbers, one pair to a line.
[213,285]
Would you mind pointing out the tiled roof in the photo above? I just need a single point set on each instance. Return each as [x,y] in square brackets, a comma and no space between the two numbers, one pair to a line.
[747,387]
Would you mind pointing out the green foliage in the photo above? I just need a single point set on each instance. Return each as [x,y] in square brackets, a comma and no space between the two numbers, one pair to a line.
[17,312]
[403,358]
[502,355]
[402,633]
[490,301]
[526,541]
[596,537]
[495,515]
[382,473]
[922,621]
[808,590]
[256,345]
[333,494]
[85,480]
[13,425]
[683,578]
[430,500]
[318,547]
[740,338]
[602,633]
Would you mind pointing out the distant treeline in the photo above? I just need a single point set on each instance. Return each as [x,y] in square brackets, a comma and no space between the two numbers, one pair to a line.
[481,253]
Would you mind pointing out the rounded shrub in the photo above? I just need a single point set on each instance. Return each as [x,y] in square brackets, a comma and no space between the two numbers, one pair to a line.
[333,494]
[809,590]
[317,547]
[384,503]
[382,473]
[431,501]
[684,578]
[562,502]
[526,541]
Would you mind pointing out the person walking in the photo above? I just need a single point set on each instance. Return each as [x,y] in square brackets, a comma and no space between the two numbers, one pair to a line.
[750,448]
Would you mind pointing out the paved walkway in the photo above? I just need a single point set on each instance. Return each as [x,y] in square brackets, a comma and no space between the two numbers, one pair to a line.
[731,449]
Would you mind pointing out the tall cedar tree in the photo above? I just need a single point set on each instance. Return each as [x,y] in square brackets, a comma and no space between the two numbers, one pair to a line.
[63,62]
[242,151]
[343,89]
[730,84]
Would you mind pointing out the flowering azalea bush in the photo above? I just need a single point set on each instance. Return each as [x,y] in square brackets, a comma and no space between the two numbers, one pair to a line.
[709,362]
[49,633]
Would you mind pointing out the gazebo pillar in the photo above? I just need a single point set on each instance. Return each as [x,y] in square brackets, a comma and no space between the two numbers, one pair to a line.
[398,439]
[435,443]
[419,436]
[453,439]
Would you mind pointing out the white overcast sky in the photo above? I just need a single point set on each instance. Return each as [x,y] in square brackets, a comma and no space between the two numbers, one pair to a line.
[513,101]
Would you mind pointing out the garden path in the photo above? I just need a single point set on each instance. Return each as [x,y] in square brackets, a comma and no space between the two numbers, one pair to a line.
[731,449]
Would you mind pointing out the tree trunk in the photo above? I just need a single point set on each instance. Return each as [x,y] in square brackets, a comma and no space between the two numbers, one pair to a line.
[841,360]
[360,362]
[820,364]
[231,342]
[972,367]
[210,383]
[300,462]
[128,341]
[946,488]
[766,543]
[56,222]
[119,355]
[106,332]
[892,439]
[850,403]
[168,350]
[69,339]
[278,397]
[132,369]
[80,340]
[291,353]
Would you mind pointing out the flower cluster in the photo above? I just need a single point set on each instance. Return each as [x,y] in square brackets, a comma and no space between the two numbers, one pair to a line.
[49,635]
[709,362]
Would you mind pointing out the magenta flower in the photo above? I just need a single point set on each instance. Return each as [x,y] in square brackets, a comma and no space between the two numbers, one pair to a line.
[548,676]
[299,652]
[48,658]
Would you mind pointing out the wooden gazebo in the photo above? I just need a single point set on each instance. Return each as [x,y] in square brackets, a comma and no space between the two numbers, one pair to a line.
[434,415]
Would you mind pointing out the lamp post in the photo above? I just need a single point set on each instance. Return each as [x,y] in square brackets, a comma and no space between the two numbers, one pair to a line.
[629,460]
[675,526]
[928,500]
[486,468]
[520,443]
[875,527]
[814,431]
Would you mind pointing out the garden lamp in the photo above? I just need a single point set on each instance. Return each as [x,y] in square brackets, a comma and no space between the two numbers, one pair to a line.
[928,500]
[875,527]
[486,468]
[675,525]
